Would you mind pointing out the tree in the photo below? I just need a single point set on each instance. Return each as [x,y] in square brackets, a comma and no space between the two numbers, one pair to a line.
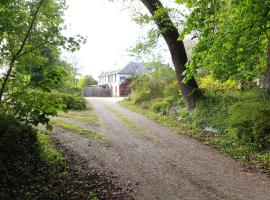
[189,89]
[87,81]
[30,41]
[233,39]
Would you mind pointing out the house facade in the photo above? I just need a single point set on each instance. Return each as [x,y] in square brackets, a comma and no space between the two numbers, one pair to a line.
[117,80]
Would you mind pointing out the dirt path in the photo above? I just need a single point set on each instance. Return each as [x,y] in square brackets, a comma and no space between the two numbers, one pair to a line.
[164,166]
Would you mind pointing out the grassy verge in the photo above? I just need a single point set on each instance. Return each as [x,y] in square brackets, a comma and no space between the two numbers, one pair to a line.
[224,142]
[88,116]
[77,129]
[32,168]
[137,130]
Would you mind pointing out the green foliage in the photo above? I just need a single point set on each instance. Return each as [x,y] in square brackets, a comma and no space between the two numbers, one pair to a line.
[209,84]
[48,154]
[151,85]
[161,107]
[250,123]
[87,81]
[213,112]
[232,37]
[70,102]
[31,40]
[172,90]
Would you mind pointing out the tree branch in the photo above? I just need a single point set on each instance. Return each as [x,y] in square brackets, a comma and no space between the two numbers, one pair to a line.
[17,54]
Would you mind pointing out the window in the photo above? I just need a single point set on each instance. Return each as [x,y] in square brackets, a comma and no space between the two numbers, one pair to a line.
[122,78]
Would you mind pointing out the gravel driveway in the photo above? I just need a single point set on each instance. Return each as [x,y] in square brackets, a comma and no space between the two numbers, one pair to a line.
[168,167]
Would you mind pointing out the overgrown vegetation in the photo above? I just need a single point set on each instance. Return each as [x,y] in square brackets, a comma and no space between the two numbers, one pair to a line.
[32,168]
[239,119]
[69,101]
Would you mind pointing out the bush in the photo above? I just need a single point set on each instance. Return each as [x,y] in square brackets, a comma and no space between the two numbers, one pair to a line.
[69,101]
[172,90]
[151,85]
[250,123]
[212,85]
[161,107]
[140,96]
[212,111]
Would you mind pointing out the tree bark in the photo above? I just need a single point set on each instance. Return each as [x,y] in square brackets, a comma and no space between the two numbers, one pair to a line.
[190,90]
[267,73]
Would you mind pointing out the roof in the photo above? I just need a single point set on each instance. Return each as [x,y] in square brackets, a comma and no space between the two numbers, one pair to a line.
[133,68]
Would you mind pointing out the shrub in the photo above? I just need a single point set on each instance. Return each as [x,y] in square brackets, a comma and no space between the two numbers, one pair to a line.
[172,90]
[250,123]
[212,111]
[210,84]
[140,96]
[151,85]
[161,107]
[69,101]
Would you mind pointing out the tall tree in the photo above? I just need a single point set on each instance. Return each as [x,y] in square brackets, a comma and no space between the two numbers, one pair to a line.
[233,39]
[30,42]
[87,81]
[189,89]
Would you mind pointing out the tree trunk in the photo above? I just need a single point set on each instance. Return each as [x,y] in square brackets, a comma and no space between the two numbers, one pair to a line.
[190,90]
[4,84]
[267,73]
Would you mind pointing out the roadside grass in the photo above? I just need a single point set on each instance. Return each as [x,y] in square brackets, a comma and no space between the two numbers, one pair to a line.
[32,167]
[137,130]
[77,129]
[224,142]
[167,121]
[88,116]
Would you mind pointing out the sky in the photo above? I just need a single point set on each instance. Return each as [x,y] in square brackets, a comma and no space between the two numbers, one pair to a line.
[110,31]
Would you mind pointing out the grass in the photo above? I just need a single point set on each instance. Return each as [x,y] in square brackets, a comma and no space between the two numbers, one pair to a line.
[137,130]
[224,142]
[88,116]
[32,167]
[77,129]
[167,121]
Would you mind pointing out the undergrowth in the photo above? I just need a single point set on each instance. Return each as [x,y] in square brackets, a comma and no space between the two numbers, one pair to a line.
[216,111]
[32,168]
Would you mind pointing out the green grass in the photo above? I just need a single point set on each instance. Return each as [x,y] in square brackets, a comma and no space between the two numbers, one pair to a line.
[137,130]
[224,142]
[88,116]
[48,153]
[167,121]
[77,129]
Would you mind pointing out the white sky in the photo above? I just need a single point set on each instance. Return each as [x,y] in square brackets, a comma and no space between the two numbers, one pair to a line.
[110,32]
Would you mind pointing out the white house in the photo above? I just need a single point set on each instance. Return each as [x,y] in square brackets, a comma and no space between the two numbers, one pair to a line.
[115,79]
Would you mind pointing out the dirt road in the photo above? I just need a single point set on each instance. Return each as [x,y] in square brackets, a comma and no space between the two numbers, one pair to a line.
[162,165]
